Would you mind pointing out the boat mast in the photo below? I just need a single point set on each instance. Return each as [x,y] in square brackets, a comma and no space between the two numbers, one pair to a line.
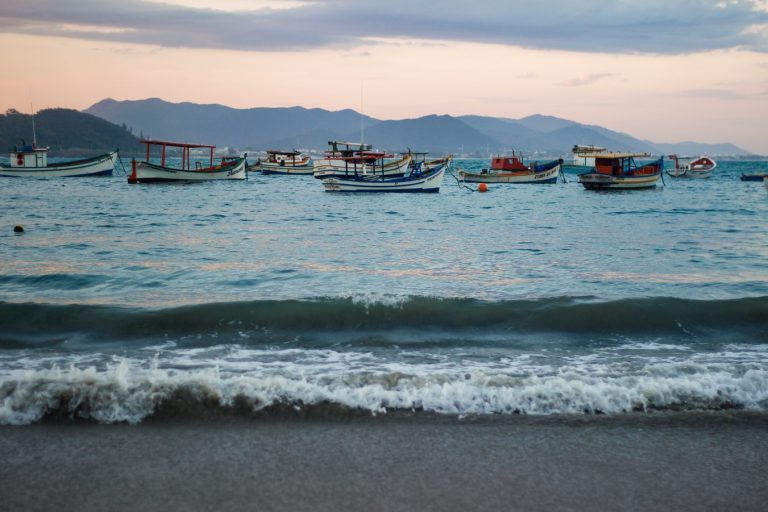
[362,124]
[34,132]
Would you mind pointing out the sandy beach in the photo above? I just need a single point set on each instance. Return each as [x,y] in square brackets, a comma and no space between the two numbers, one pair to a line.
[677,461]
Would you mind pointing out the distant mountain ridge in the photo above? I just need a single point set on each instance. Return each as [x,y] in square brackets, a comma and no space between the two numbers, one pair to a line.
[299,127]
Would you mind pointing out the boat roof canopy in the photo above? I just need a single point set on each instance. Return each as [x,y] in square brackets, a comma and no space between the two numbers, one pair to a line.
[283,152]
[175,144]
[349,145]
[582,147]
[604,156]
[30,149]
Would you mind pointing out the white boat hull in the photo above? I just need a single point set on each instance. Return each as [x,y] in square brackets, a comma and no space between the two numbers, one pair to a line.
[270,168]
[686,167]
[429,182]
[690,173]
[151,173]
[100,165]
[548,176]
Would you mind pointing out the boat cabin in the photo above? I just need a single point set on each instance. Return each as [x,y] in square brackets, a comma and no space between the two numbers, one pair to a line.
[345,149]
[29,156]
[280,157]
[581,150]
[365,162]
[703,163]
[623,164]
[185,151]
[508,163]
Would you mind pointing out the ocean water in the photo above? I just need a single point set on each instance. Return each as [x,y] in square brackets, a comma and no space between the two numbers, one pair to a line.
[122,302]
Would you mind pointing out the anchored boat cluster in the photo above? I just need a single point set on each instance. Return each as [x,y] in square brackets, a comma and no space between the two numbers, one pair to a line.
[356,167]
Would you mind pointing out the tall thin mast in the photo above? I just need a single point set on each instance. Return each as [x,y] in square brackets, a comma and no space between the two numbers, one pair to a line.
[362,125]
[34,132]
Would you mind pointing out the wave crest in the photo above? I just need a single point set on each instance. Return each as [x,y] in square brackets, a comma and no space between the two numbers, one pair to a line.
[127,392]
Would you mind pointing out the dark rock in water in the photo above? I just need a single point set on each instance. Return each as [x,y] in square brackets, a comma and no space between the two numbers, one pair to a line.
[18,228]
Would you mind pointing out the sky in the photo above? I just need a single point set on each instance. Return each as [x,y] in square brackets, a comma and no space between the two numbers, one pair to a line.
[661,70]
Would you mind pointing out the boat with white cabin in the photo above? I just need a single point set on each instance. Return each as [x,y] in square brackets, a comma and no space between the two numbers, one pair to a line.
[32,161]
[583,157]
[284,162]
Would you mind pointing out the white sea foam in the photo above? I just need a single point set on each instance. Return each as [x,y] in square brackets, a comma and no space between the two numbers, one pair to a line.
[129,390]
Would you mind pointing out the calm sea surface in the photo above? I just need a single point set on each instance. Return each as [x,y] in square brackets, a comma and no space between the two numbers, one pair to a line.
[537,299]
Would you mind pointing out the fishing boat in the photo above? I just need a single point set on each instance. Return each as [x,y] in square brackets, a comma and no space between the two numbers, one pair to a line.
[583,157]
[687,167]
[760,176]
[284,162]
[147,172]
[511,169]
[346,158]
[338,151]
[415,180]
[617,171]
[419,159]
[32,161]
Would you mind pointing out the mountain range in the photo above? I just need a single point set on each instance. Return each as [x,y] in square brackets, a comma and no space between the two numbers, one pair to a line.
[302,128]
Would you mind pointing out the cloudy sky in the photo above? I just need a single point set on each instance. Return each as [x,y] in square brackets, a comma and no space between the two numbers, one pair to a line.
[663,70]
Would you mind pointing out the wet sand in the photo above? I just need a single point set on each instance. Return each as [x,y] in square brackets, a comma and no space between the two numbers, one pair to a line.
[713,461]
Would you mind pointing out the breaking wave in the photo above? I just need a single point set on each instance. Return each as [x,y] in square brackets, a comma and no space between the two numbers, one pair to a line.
[38,324]
[299,382]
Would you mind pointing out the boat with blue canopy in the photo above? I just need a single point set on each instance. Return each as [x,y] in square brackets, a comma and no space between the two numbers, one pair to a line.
[362,176]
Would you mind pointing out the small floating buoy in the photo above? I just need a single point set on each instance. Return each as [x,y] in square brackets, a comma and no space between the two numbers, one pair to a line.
[18,228]
[482,187]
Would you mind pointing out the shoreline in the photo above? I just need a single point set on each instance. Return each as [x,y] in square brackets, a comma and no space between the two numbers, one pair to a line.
[404,461]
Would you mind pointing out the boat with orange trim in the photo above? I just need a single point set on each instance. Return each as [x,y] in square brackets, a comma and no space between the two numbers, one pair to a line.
[618,171]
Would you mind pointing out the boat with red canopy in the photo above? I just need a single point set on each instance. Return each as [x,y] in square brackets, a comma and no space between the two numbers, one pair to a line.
[147,172]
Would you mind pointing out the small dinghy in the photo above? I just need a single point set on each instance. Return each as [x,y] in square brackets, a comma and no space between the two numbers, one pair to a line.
[688,167]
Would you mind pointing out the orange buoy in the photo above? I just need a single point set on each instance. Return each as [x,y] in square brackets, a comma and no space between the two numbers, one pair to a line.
[482,187]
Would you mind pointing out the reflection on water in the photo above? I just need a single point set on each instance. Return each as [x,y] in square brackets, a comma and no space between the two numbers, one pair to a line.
[275,237]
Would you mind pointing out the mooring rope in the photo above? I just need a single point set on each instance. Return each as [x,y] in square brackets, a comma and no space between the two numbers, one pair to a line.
[459,182]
